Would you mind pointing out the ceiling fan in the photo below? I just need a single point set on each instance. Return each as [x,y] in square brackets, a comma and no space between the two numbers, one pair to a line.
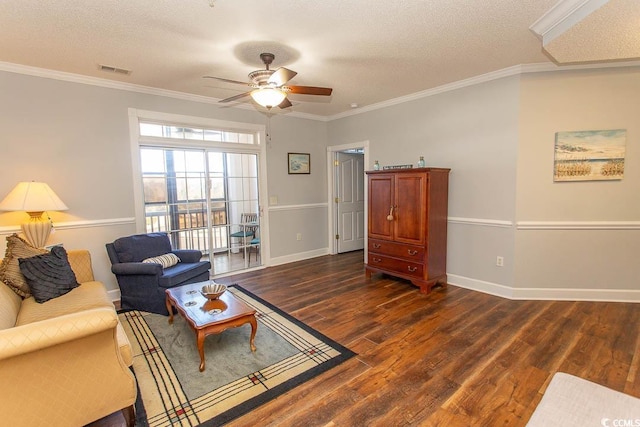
[269,88]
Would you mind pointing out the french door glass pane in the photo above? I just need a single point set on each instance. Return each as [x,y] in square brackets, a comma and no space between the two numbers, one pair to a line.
[199,198]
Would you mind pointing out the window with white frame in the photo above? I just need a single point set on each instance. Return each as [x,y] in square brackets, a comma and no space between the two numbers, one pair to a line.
[196,182]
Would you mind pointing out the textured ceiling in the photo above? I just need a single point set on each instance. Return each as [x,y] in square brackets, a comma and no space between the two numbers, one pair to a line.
[611,33]
[368,51]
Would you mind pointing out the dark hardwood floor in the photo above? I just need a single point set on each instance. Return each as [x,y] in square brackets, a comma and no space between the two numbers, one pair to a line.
[451,358]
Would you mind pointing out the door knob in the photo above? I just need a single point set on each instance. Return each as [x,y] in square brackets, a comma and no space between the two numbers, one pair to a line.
[390,216]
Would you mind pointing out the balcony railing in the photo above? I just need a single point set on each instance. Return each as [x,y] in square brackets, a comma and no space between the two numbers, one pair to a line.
[192,231]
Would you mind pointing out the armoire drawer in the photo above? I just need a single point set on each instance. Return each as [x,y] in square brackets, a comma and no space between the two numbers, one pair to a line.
[398,250]
[395,265]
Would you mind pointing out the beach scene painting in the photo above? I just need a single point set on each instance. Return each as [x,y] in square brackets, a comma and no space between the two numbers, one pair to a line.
[590,155]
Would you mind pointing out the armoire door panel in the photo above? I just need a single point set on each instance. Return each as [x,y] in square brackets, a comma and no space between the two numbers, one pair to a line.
[380,201]
[410,212]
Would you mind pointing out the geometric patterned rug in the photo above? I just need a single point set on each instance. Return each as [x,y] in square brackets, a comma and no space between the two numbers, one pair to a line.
[173,392]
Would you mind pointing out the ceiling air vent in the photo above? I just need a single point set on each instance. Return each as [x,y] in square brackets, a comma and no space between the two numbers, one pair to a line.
[110,69]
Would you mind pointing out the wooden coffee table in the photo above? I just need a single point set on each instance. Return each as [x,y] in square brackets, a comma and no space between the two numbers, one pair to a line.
[208,317]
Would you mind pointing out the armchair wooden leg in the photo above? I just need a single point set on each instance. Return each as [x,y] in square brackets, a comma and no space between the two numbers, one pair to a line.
[129,414]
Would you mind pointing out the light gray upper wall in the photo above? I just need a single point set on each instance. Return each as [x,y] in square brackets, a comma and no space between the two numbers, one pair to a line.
[473,131]
[572,101]
[76,138]
[297,136]
[601,261]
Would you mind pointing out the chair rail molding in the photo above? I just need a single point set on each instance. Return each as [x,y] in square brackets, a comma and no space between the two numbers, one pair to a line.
[578,225]
[70,225]
[297,207]
[480,222]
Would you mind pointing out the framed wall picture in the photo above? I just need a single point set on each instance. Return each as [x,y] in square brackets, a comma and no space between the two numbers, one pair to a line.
[591,155]
[299,163]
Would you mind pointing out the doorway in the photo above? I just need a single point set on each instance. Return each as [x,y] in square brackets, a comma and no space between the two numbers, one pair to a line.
[347,191]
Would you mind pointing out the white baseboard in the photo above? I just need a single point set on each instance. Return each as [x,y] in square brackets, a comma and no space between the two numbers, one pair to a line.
[298,256]
[557,294]
[114,294]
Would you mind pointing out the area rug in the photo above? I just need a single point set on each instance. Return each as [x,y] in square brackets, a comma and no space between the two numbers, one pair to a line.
[173,392]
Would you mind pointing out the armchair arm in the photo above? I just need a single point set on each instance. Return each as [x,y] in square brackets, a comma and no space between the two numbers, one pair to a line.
[58,330]
[188,255]
[80,261]
[71,362]
[130,268]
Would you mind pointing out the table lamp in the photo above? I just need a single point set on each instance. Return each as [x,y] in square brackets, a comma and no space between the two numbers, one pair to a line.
[34,198]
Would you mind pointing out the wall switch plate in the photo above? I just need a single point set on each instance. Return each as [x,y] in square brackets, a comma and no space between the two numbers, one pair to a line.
[500,261]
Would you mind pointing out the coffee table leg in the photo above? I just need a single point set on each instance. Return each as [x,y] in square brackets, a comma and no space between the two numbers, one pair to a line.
[254,327]
[200,340]
[169,309]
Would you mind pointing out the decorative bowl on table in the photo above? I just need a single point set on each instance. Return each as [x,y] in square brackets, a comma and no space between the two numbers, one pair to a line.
[213,290]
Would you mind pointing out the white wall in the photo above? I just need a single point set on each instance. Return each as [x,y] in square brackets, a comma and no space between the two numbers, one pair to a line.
[76,138]
[497,137]
[582,236]
[474,132]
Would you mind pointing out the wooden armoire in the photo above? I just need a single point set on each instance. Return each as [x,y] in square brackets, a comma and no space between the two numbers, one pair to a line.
[407,232]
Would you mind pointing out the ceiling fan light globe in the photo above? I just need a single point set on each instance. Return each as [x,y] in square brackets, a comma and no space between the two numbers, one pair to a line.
[268,97]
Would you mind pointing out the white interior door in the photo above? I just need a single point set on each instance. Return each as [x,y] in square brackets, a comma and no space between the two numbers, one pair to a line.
[350,202]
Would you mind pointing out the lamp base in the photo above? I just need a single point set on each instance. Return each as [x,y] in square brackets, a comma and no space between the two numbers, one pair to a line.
[37,232]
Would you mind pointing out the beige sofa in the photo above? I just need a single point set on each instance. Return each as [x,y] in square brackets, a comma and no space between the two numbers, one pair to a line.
[64,362]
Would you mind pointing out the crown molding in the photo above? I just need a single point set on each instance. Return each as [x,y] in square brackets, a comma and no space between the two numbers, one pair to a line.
[130,87]
[494,75]
[543,67]
[564,15]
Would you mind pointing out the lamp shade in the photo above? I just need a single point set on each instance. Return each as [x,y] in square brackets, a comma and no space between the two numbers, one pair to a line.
[268,97]
[32,197]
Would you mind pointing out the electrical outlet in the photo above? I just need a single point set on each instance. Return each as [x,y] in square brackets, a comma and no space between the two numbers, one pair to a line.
[500,261]
[299,236]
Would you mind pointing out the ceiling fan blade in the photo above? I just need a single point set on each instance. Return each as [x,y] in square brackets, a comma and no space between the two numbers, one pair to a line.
[285,104]
[233,98]
[281,76]
[226,80]
[308,90]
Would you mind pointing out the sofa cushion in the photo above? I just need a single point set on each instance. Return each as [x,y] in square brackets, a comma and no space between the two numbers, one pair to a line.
[86,296]
[9,306]
[10,268]
[48,275]
[141,246]
[166,260]
[180,273]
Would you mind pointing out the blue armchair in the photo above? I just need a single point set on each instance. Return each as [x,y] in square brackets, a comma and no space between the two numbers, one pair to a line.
[142,285]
